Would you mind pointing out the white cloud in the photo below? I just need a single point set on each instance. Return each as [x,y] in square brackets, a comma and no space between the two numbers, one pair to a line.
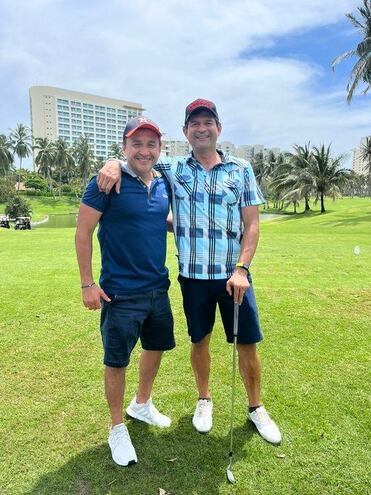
[166,53]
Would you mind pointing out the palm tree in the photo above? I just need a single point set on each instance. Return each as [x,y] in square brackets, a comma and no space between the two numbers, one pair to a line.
[116,152]
[64,160]
[326,174]
[45,159]
[84,158]
[21,142]
[6,155]
[361,72]
[292,180]
[301,160]
[262,171]
[366,153]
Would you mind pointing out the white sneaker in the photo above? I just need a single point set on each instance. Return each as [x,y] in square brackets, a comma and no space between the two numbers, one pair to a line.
[202,418]
[148,413]
[265,425]
[123,452]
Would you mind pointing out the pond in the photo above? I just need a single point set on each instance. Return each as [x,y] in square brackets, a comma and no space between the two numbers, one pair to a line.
[269,216]
[57,221]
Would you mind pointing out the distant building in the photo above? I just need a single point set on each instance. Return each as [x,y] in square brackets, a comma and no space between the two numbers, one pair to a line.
[61,113]
[172,147]
[245,151]
[248,152]
[359,166]
[227,147]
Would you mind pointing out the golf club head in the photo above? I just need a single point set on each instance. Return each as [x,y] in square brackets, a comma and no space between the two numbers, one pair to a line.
[230,477]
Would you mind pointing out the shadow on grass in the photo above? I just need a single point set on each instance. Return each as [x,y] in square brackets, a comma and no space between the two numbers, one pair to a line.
[349,219]
[180,461]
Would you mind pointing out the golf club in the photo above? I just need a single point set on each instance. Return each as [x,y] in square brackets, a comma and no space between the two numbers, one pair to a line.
[230,476]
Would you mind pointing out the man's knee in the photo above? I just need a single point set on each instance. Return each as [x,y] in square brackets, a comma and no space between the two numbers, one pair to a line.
[202,345]
[114,371]
[248,352]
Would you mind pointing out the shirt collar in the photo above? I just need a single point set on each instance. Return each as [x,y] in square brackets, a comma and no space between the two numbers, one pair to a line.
[225,159]
[126,168]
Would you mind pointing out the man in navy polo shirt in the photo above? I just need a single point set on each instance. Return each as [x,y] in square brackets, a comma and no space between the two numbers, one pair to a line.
[133,286]
[216,225]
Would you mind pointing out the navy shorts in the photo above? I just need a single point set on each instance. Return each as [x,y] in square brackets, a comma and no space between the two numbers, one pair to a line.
[200,298]
[126,319]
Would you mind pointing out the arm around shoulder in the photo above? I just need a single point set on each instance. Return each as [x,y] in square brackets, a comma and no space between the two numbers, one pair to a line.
[110,175]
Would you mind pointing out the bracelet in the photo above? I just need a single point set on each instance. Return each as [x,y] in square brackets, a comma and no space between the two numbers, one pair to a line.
[245,266]
[87,286]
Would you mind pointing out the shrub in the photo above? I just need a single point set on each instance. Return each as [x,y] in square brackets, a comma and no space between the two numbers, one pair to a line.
[18,207]
[6,190]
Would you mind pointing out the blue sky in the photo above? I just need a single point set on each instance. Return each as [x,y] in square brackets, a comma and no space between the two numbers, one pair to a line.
[265,63]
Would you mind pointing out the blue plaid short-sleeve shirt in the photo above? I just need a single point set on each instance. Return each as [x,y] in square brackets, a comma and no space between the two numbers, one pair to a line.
[207,212]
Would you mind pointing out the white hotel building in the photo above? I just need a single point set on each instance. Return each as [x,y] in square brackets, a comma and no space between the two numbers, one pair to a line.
[359,165]
[60,113]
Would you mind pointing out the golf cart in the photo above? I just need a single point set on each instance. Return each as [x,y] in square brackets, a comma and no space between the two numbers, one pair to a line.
[22,223]
[4,222]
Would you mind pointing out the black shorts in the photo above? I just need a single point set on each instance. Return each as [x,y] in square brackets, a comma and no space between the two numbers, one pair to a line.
[200,298]
[127,318]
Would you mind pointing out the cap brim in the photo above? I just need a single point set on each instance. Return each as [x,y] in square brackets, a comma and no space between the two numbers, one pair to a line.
[202,107]
[144,126]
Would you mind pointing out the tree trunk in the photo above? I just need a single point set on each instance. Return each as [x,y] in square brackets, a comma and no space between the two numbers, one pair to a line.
[322,203]
[60,182]
[307,207]
[19,175]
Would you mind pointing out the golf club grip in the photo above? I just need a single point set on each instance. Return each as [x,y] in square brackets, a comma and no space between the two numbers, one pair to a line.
[235,319]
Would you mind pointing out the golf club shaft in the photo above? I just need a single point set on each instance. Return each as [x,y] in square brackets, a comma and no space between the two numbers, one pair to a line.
[235,332]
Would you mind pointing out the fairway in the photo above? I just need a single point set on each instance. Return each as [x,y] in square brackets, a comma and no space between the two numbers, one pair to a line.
[314,297]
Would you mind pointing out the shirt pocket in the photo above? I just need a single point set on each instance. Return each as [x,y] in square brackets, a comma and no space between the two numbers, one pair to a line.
[183,186]
[231,191]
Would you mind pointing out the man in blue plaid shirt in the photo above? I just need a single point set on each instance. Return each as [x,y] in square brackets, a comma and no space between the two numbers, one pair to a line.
[216,226]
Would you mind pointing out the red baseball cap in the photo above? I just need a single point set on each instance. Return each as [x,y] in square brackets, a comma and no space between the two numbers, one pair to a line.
[140,123]
[200,103]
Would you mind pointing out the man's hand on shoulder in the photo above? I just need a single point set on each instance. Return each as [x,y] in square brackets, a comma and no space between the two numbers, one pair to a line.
[109,175]
[92,295]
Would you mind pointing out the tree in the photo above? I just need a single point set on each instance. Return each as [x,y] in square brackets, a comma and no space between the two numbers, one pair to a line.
[115,151]
[36,182]
[301,161]
[6,190]
[262,173]
[326,174]
[366,153]
[361,71]
[63,160]
[292,181]
[45,159]
[6,155]
[84,158]
[98,164]
[18,207]
[21,143]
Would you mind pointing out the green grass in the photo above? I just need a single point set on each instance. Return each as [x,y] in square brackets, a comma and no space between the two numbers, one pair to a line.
[314,297]
[45,205]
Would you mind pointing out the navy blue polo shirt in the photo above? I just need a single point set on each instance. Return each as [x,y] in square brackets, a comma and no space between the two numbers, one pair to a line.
[132,234]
